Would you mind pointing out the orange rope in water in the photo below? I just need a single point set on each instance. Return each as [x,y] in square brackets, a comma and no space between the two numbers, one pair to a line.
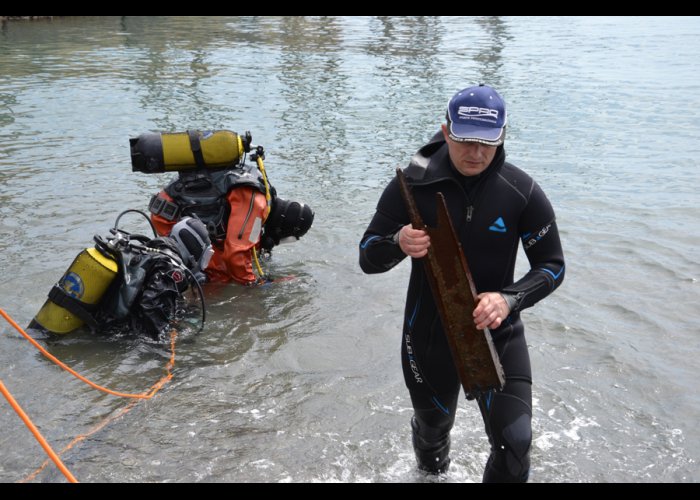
[152,391]
[44,444]
[73,372]
[82,437]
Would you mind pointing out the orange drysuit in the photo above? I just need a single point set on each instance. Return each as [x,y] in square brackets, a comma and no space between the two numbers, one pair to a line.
[233,258]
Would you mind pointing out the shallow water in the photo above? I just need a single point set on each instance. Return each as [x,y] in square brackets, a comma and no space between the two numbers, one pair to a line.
[301,381]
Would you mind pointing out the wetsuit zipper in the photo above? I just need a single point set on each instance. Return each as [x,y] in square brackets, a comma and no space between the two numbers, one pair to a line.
[250,211]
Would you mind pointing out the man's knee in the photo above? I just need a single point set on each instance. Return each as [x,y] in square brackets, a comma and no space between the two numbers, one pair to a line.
[510,453]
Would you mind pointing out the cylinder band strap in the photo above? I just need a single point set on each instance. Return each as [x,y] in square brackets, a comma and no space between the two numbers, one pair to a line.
[61,298]
[196,147]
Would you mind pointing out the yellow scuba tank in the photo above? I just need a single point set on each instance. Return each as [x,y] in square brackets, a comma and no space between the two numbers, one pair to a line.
[157,152]
[78,292]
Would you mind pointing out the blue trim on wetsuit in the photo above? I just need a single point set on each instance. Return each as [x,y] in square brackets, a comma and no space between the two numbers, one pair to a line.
[555,276]
[442,407]
[368,240]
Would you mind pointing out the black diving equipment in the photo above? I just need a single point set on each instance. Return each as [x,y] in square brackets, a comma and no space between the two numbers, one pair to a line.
[288,221]
[128,279]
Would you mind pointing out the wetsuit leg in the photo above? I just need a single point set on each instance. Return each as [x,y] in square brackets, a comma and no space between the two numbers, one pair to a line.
[431,424]
[508,414]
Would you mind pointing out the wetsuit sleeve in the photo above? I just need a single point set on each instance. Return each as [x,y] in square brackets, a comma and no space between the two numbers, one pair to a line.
[234,262]
[378,250]
[540,239]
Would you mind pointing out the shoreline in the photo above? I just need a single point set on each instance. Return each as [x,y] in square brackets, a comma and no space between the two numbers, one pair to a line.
[24,18]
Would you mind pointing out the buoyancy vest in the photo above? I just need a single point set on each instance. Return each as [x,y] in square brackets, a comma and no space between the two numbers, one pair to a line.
[203,193]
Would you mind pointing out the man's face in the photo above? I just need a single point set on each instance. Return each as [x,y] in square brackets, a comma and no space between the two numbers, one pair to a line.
[469,158]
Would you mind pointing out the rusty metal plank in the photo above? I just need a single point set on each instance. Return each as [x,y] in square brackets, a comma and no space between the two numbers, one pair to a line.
[473,352]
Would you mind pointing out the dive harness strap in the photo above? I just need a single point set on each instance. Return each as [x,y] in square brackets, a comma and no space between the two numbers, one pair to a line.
[83,311]
[166,209]
[196,147]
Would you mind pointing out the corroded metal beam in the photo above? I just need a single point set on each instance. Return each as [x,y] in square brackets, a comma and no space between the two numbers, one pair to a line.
[475,357]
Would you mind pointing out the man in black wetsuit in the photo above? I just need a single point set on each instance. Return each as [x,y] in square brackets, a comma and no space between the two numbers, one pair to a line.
[493,205]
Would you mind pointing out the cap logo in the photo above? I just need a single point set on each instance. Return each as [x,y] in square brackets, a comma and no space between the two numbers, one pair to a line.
[477,113]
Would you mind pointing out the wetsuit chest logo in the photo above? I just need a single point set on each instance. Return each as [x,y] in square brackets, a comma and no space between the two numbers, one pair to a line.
[498,226]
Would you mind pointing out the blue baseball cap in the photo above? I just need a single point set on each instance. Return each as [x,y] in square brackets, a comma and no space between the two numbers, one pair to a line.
[477,114]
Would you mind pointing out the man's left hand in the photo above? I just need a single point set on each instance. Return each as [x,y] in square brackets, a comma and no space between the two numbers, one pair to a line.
[491,310]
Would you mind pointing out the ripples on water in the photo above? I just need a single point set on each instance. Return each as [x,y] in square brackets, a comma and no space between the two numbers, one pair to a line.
[301,381]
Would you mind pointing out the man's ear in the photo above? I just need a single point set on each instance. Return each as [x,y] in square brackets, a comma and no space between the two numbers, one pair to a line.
[444,131]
